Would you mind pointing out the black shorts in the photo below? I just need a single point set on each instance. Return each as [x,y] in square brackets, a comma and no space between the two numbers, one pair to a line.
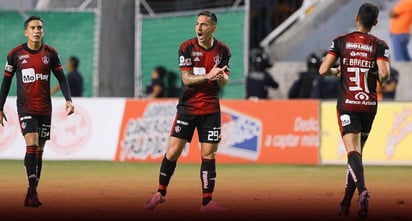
[208,127]
[30,123]
[355,122]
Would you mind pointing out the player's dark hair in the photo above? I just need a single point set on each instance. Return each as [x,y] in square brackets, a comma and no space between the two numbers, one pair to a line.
[209,14]
[75,61]
[32,18]
[368,15]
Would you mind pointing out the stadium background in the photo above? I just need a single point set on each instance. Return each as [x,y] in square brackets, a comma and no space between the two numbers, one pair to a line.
[119,42]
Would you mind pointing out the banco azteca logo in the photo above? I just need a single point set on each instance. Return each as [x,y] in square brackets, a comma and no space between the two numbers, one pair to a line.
[70,133]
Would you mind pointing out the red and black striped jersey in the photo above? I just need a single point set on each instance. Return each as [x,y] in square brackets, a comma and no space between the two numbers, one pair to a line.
[358,53]
[202,98]
[32,69]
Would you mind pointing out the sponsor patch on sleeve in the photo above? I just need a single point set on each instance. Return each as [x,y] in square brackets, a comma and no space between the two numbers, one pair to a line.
[8,67]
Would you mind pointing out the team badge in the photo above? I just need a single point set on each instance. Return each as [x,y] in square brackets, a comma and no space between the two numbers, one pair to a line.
[45,60]
[23,125]
[178,129]
[217,59]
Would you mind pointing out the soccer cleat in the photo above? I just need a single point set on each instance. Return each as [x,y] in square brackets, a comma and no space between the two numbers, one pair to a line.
[363,204]
[343,210]
[212,206]
[156,199]
[32,199]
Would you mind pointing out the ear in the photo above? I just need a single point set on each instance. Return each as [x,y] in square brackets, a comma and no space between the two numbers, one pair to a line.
[376,22]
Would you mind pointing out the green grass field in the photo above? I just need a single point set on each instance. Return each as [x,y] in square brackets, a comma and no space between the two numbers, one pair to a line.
[73,190]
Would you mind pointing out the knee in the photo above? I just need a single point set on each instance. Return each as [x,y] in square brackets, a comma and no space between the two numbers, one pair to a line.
[209,155]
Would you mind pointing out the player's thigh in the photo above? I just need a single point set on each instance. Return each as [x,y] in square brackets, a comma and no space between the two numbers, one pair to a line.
[183,127]
[349,122]
[29,127]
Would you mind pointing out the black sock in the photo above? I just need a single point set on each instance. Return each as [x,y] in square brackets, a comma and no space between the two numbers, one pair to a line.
[208,177]
[167,169]
[39,158]
[31,164]
[349,189]
[355,166]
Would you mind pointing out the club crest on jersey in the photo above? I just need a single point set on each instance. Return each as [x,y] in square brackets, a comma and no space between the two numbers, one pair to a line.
[217,59]
[45,60]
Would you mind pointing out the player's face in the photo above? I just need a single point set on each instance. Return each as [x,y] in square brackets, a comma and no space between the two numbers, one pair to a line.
[34,31]
[204,30]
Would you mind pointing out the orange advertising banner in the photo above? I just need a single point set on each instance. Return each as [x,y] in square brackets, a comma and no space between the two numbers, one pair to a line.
[271,131]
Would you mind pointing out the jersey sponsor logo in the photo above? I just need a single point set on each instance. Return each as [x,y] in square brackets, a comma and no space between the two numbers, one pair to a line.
[361,99]
[182,122]
[241,135]
[345,120]
[332,45]
[199,70]
[29,76]
[358,46]
[361,96]
[358,54]
[45,60]
[197,54]
[185,61]
[24,56]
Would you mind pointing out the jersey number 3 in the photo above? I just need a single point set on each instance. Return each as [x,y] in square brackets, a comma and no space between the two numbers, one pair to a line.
[359,78]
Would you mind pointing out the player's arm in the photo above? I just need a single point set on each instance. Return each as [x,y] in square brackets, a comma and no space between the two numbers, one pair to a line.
[64,86]
[55,89]
[4,91]
[5,86]
[223,76]
[326,68]
[189,78]
[383,70]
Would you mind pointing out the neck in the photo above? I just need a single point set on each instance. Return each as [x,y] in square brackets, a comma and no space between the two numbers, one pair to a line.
[209,44]
[34,45]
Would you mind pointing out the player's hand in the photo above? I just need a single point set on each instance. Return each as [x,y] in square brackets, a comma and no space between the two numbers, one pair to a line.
[217,73]
[69,108]
[2,116]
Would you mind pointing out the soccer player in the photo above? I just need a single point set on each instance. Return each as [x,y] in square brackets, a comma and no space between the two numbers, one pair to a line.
[32,63]
[364,61]
[204,66]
